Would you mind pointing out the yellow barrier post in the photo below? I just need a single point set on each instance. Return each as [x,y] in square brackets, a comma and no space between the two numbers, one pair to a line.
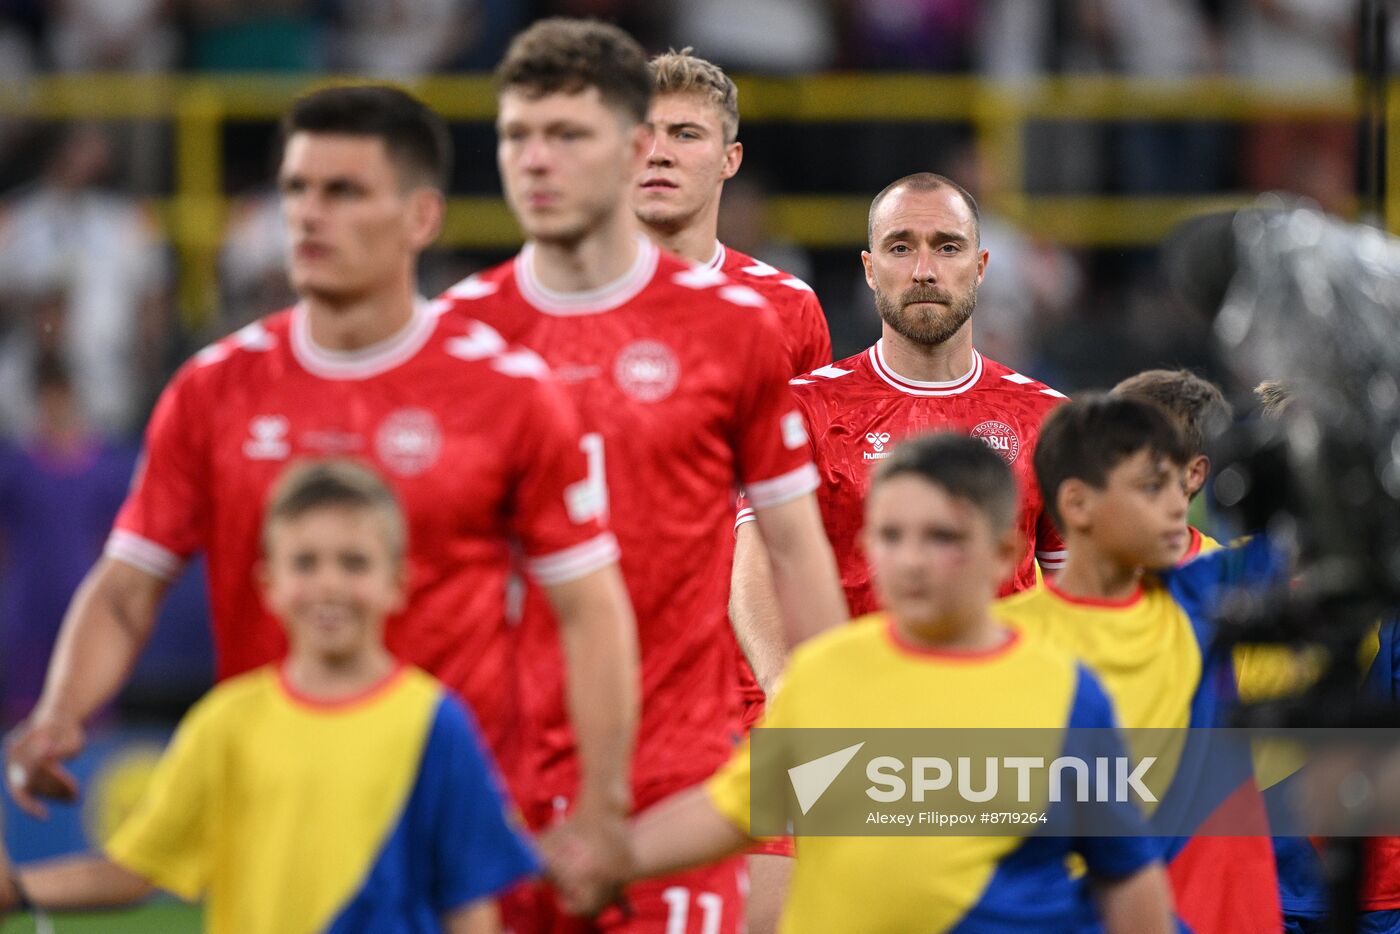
[199,205]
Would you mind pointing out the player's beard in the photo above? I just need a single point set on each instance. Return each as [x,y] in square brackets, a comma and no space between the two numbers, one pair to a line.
[932,325]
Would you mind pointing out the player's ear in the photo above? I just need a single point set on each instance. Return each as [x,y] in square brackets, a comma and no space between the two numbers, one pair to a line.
[982,257]
[1074,501]
[426,209]
[869,270]
[733,157]
[1197,470]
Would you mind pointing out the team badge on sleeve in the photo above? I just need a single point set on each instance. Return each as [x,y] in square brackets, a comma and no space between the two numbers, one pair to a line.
[794,431]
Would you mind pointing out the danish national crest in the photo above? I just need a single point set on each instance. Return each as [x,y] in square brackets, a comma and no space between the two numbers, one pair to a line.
[1000,437]
[408,441]
[647,371]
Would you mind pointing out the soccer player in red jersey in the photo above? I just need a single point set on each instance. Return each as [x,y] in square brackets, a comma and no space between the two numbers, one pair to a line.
[695,148]
[482,448]
[694,119]
[924,265]
[680,377]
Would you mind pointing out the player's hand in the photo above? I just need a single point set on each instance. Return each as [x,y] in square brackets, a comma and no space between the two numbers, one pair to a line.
[588,859]
[568,871]
[34,755]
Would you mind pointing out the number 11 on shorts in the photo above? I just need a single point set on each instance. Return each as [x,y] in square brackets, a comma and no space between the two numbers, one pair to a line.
[677,899]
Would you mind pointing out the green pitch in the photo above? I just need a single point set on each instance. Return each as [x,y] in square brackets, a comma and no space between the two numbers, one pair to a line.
[152,919]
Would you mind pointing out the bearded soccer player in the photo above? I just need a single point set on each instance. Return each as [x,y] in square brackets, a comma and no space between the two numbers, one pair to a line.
[924,265]
[680,377]
[481,447]
[695,148]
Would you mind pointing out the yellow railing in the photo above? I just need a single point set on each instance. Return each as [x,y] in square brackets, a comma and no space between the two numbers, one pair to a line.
[997,114]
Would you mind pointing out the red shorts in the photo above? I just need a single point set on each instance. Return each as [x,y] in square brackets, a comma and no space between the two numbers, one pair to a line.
[707,900]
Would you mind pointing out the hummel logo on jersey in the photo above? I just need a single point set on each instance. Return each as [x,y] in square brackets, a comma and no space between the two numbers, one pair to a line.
[810,780]
[877,441]
[269,439]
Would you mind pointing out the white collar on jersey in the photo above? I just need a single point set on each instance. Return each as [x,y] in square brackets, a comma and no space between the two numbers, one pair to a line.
[717,261]
[396,349]
[914,387]
[604,298]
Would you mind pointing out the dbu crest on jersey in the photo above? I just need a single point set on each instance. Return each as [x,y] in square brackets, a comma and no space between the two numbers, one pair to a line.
[408,441]
[647,371]
[1000,437]
[268,441]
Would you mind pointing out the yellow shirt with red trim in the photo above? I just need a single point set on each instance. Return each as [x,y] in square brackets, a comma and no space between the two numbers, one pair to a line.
[864,675]
[380,813]
[1155,654]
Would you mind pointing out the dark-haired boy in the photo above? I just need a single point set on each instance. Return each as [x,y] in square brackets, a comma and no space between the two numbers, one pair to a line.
[941,537]
[1199,410]
[479,443]
[338,791]
[1113,472]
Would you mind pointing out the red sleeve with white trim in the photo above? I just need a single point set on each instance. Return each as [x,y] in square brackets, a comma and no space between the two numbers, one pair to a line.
[165,517]
[1050,548]
[561,495]
[774,456]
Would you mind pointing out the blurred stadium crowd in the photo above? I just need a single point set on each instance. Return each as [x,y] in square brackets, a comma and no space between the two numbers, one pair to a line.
[89,324]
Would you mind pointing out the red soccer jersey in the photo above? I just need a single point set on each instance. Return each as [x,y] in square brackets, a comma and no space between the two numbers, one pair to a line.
[806,335]
[682,385]
[858,408]
[481,451]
